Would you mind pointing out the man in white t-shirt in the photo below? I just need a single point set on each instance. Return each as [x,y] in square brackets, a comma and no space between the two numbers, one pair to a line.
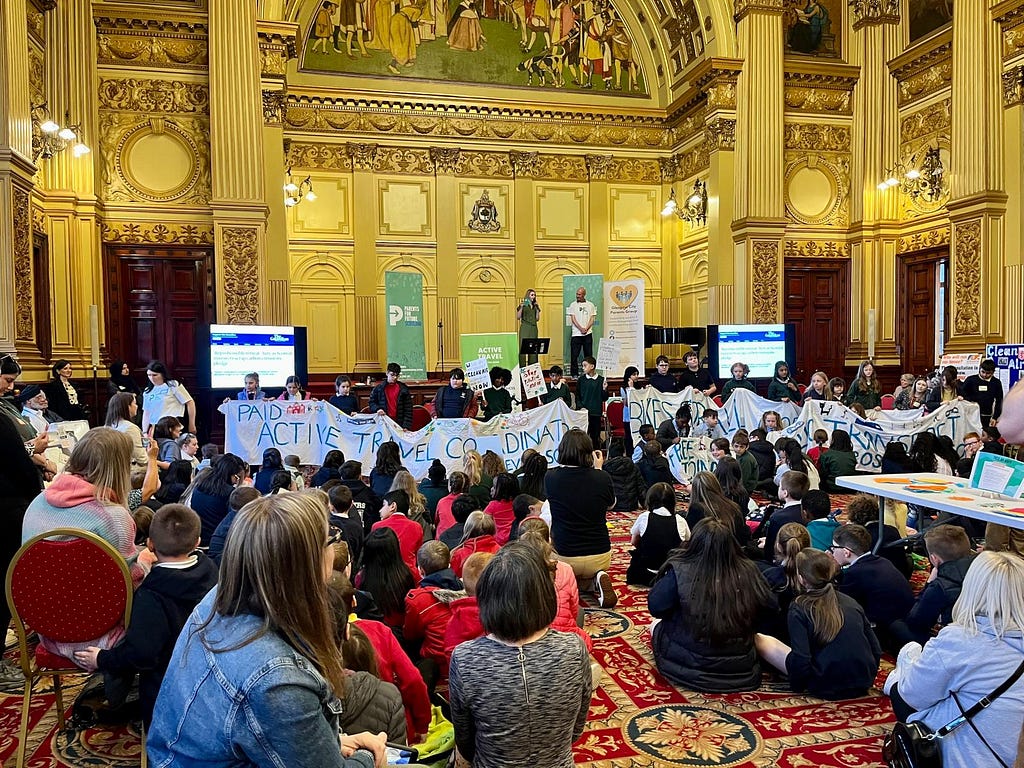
[580,316]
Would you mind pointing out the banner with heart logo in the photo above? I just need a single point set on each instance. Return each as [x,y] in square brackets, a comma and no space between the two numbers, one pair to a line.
[624,323]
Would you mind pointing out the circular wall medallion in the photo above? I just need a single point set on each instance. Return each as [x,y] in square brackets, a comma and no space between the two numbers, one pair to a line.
[679,734]
[812,191]
[158,165]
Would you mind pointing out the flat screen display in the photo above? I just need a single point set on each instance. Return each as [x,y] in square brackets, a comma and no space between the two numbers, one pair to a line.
[235,350]
[759,346]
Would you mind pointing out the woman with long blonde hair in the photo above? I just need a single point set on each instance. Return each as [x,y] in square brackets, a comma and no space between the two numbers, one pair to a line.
[404,481]
[256,670]
[834,653]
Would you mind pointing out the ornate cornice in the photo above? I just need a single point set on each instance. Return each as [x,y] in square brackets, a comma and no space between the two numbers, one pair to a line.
[813,249]
[820,89]
[927,122]
[924,70]
[816,137]
[521,125]
[721,134]
[177,44]
[163,233]
[153,96]
[524,164]
[669,167]
[1013,86]
[598,166]
[278,44]
[1010,17]
[445,159]
[363,156]
[921,241]
[745,7]
[716,78]
[869,12]
[273,106]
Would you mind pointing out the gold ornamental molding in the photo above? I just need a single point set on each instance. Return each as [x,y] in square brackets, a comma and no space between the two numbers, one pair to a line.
[327,157]
[524,164]
[445,159]
[816,137]
[764,292]
[163,233]
[745,7]
[38,220]
[598,166]
[21,215]
[814,249]
[132,94]
[692,161]
[922,71]
[1010,17]
[241,282]
[721,134]
[635,171]
[967,277]
[404,160]
[926,124]
[278,44]
[1013,86]
[872,12]
[561,168]
[131,42]
[717,79]
[321,115]
[669,167]
[815,88]
[273,106]
[363,156]
[829,168]
[922,241]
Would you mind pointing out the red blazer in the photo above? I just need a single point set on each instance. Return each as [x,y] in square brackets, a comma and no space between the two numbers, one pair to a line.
[395,667]
[485,543]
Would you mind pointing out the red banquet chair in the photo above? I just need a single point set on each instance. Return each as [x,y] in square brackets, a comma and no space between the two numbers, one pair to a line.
[420,418]
[43,596]
[888,402]
[615,428]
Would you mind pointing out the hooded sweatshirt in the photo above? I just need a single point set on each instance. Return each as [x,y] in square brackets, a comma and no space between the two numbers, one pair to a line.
[485,543]
[161,607]
[428,610]
[70,502]
[464,625]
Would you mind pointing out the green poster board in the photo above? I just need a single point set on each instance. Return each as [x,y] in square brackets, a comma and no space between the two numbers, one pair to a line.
[497,348]
[403,297]
[594,286]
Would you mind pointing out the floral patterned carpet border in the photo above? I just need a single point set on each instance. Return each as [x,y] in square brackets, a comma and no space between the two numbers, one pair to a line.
[637,719]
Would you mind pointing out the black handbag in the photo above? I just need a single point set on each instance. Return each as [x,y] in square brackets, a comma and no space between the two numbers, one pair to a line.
[911,745]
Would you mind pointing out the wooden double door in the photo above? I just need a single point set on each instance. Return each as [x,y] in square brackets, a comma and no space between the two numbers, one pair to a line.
[157,298]
[924,309]
[818,302]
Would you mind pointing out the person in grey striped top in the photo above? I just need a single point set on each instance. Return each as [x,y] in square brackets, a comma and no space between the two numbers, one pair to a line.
[520,694]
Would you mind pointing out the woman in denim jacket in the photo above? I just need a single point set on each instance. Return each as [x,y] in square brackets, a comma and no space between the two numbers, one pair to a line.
[255,673]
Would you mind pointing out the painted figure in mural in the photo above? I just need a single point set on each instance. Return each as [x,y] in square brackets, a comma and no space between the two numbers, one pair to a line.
[323,26]
[617,39]
[593,46]
[808,28]
[402,35]
[379,20]
[464,32]
[351,23]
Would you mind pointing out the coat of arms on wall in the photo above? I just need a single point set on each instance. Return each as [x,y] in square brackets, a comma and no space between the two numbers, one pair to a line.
[484,217]
[566,44]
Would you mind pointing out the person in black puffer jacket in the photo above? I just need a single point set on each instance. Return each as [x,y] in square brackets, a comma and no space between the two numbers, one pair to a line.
[627,482]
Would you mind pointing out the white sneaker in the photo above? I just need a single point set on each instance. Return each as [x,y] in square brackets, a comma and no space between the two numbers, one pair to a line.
[606,596]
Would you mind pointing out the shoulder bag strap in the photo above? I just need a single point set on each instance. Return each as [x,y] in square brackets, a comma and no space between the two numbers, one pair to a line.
[986,701]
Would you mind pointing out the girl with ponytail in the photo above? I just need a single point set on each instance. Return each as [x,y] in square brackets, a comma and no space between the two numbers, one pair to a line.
[834,653]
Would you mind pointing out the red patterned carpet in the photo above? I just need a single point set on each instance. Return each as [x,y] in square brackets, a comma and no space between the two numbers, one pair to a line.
[636,719]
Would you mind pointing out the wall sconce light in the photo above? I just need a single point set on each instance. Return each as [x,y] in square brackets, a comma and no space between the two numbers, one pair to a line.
[926,180]
[694,210]
[296,193]
[49,137]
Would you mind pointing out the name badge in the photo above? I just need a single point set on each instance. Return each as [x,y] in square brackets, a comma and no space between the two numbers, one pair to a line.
[983,387]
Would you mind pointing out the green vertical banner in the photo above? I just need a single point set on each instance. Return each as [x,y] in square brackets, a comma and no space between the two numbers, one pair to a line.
[497,348]
[403,295]
[594,286]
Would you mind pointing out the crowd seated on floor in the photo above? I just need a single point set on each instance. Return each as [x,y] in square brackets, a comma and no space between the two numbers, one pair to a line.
[353,597]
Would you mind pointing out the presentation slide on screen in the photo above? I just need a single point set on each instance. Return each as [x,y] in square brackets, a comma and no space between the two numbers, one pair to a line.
[236,350]
[759,346]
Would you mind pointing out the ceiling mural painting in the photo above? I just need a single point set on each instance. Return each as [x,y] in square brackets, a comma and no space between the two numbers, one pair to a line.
[925,16]
[814,27]
[564,44]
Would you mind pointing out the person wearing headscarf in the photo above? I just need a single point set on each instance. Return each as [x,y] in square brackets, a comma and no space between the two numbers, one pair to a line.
[121,381]
[35,408]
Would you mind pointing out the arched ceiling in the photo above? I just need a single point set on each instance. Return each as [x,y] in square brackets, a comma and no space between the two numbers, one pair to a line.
[670,38]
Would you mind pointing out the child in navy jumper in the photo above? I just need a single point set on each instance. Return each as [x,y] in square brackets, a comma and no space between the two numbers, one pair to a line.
[343,400]
[180,579]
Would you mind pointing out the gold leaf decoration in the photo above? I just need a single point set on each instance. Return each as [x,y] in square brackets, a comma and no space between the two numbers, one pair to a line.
[967,274]
[241,281]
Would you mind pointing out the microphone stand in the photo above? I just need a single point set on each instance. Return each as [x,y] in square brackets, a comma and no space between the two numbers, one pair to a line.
[440,345]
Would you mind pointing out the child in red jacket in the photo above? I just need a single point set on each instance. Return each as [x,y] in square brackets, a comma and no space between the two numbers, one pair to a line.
[504,489]
[465,623]
[479,537]
[428,608]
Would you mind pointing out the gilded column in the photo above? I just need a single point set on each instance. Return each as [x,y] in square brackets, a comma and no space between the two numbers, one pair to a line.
[364,235]
[874,213]
[449,221]
[759,214]
[525,166]
[1013,160]
[600,213]
[977,204]
[16,168]
[236,156]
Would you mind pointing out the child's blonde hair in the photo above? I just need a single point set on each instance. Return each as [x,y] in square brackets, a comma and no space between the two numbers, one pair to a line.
[472,568]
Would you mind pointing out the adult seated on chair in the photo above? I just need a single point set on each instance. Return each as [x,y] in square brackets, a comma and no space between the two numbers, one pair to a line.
[252,675]
[180,579]
[975,654]
[91,494]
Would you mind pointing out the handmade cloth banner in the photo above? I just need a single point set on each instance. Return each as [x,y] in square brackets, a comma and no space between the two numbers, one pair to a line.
[870,436]
[311,428]
[624,322]
[741,411]
[403,295]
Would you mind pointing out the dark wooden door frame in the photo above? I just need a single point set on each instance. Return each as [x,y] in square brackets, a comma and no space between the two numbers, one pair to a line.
[904,262]
[841,268]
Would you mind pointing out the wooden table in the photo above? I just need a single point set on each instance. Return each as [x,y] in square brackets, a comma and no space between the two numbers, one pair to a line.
[948,494]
